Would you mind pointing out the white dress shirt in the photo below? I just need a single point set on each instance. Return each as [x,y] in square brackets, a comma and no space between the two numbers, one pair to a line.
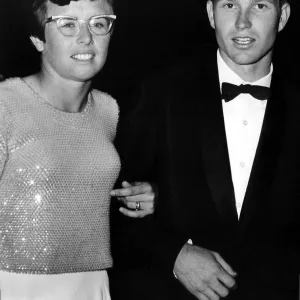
[243,117]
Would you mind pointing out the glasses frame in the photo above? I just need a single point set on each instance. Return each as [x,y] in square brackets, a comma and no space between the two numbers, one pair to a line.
[55,19]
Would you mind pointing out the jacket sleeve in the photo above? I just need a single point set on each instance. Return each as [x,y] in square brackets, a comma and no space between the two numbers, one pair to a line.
[146,242]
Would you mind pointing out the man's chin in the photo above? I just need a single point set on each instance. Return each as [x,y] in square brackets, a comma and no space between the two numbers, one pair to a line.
[244,59]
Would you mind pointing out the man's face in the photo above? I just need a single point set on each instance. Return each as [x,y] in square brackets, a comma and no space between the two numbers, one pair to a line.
[246,29]
[80,57]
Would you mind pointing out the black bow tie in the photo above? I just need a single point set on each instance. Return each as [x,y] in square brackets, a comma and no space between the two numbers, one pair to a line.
[230,91]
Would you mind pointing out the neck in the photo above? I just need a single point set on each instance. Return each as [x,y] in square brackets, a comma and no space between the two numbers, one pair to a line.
[250,72]
[63,94]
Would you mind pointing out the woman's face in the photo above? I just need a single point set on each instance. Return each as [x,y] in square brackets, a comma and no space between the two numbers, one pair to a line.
[77,58]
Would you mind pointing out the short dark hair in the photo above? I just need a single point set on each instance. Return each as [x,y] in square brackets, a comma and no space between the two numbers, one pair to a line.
[280,2]
[39,14]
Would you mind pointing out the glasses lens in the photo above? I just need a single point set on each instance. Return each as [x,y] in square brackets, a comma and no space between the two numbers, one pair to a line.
[68,27]
[100,25]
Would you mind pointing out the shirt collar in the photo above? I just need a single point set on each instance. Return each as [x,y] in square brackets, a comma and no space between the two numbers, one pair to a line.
[227,75]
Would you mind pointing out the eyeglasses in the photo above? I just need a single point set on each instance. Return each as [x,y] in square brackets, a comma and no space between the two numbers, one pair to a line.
[70,26]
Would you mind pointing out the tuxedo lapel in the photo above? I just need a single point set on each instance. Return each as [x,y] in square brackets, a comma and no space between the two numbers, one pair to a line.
[266,156]
[214,145]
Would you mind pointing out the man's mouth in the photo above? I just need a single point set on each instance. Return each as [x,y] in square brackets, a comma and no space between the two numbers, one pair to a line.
[243,40]
[83,57]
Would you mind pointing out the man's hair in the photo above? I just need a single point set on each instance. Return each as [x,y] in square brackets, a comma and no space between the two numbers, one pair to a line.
[39,15]
[280,2]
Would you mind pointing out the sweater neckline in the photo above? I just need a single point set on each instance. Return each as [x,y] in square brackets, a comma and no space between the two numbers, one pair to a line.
[40,98]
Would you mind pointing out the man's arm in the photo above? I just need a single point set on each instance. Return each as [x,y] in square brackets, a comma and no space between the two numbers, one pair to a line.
[155,241]
[137,145]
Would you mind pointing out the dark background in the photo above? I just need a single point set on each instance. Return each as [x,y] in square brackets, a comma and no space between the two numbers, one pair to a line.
[148,35]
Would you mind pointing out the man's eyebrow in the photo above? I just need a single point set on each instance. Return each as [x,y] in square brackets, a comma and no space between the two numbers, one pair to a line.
[226,1]
[255,1]
[270,1]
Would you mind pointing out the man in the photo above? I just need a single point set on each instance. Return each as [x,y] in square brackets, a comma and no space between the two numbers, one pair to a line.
[220,136]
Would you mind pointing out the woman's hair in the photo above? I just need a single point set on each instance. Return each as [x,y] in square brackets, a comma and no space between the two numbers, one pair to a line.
[39,15]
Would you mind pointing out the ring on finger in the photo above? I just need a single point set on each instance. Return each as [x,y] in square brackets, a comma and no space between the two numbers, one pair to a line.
[137,205]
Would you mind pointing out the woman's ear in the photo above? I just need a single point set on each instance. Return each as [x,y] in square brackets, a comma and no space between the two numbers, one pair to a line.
[38,44]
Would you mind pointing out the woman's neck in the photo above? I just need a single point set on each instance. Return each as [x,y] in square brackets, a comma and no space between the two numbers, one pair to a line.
[65,95]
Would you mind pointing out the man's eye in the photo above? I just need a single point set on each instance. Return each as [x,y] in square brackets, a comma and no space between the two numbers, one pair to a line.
[229,5]
[261,6]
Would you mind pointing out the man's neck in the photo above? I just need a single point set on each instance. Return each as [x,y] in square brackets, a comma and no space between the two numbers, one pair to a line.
[251,72]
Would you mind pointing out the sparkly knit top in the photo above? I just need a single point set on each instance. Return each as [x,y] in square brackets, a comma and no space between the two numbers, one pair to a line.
[56,173]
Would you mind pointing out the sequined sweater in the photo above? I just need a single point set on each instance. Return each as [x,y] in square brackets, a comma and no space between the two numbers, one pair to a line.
[56,173]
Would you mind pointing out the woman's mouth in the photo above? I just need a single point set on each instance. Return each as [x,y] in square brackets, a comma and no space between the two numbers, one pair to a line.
[83,57]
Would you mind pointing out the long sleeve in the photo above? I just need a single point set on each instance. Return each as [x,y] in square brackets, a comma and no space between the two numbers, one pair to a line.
[148,241]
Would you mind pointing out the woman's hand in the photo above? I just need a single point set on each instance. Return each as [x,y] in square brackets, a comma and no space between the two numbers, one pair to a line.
[138,197]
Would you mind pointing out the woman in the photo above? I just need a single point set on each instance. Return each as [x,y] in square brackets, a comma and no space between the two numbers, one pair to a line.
[57,161]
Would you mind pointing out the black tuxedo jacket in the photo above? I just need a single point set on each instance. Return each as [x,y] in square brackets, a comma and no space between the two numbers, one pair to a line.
[176,138]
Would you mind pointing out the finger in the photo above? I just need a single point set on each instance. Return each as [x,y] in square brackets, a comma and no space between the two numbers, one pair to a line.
[219,288]
[149,205]
[210,294]
[226,279]
[141,198]
[224,264]
[143,205]
[126,184]
[201,296]
[134,213]
[121,192]
[142,188]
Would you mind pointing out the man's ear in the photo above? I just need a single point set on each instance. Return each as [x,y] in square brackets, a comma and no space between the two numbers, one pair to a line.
[284,17]
[210,13]
[38,44]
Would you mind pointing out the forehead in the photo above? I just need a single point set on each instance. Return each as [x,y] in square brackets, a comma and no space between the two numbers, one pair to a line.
[274,2]
[82,9]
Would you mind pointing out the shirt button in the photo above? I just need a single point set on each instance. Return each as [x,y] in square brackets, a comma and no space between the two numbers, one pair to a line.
[245,122]
[242,164]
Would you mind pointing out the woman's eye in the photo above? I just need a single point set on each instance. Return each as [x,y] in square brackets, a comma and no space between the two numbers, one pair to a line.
[99,25]
[68,25]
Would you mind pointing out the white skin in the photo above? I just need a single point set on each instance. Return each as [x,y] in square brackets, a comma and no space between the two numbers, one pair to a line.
[246,31]
[260,21]
[64,81]
[130,194]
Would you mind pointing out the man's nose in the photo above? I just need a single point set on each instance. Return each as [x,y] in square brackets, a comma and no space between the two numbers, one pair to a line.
[85,36]
[243,21]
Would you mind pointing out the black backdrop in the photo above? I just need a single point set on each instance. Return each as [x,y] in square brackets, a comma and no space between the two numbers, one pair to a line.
[148,35]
